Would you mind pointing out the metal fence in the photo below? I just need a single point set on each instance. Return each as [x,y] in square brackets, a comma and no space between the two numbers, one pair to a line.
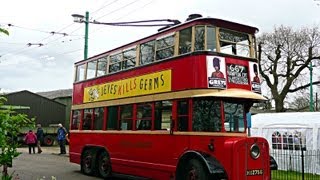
[296,164]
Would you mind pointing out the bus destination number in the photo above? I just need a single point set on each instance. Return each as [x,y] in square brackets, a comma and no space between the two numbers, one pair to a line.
[254,172]
[237,74]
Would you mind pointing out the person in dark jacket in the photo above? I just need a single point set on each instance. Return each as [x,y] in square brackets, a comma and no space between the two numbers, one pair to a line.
[40,137]
[62,134]
[31,141]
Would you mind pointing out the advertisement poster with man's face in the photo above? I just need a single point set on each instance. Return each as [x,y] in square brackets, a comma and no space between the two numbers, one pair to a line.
[255,77]
[216,72]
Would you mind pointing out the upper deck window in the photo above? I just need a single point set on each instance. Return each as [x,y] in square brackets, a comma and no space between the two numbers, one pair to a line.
[234,43]
[211,39]
[80,72]
[165,47]
[147,52]
[91,70]
[199,38]
[115,63]
[129,58]
[185,37]
[102,67]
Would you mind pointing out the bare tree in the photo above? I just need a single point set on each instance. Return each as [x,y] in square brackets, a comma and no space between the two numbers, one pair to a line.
[284,57]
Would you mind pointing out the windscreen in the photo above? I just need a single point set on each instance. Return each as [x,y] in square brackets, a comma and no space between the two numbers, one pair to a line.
[207,116]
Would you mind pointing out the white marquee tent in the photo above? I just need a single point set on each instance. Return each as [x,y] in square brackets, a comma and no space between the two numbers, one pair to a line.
[289,133]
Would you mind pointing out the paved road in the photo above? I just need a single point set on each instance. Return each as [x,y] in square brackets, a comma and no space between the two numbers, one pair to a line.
[46,166]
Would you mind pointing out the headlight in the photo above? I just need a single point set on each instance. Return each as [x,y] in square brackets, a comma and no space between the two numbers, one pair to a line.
[255,151]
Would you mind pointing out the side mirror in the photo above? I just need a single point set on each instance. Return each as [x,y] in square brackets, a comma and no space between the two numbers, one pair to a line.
[172,124]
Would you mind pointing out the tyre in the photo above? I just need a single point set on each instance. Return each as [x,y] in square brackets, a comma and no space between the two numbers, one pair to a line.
[48,140]
[104,165]
[195,171]
[88,162]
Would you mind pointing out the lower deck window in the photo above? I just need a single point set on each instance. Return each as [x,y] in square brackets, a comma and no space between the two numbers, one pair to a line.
[144,116]
[76,116]
[234,117]
[163,113]
[126,117]
[206,115]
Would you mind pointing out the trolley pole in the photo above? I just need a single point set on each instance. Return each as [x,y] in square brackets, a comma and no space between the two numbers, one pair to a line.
[86,36]
[311,90]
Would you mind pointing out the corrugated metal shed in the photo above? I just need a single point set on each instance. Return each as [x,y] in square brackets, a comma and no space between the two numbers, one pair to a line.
[63,96]
[44,110]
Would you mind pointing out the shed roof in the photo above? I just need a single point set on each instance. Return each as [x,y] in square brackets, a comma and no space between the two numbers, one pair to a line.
[56,94]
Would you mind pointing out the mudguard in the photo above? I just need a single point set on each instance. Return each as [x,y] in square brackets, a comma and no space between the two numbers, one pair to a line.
[214,166]
[273,164]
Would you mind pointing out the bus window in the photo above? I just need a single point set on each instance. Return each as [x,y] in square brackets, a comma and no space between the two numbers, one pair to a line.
[126,117]
[234,43]
[87,120]
[91,70]
[112,117]
[206,115]
[165,47]
[98,118]
[102,67]
[199,38]
[75,119]
[183,115]
[115,63]
[147,53]
[211,39]
[80,72]
[163,112]
[129,58]
[185,40]
[144,115]
[234,117]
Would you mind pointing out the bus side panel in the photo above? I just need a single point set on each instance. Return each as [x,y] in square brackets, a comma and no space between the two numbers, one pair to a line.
[147,155]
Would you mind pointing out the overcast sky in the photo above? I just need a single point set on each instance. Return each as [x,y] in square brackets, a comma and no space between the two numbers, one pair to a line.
[50,67]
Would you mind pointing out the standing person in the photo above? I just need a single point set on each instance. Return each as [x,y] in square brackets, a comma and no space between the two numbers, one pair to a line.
[62,133]
[40,137]
[31,141]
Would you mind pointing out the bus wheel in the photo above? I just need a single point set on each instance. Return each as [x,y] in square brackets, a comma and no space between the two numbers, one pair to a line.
[104,165]
[48,140]
[87,162]
[195,171]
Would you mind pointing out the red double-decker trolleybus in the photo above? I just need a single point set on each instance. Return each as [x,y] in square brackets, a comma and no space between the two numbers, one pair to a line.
[171,106]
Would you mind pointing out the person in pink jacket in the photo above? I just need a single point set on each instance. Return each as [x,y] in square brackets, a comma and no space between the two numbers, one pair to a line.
[31,141]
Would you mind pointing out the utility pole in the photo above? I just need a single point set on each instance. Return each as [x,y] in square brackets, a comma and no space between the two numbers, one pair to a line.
[311,90]
[86,36]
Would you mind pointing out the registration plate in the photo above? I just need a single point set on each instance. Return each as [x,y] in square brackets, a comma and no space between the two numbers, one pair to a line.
[254,172]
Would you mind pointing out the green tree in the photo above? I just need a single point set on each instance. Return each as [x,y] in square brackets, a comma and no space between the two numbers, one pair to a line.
[4,31]
[284,56]
[10,126]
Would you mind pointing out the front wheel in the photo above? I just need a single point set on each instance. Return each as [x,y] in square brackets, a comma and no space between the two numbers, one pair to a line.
[87,162]
[195,171]
[104,165]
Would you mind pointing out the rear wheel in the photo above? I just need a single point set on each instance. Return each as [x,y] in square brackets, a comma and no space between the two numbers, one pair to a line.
[104,165]
[195,171]
[48,140]
[87,162]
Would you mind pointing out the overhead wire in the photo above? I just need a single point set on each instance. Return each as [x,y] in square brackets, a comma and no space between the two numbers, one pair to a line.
[19,51]
[127,14]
